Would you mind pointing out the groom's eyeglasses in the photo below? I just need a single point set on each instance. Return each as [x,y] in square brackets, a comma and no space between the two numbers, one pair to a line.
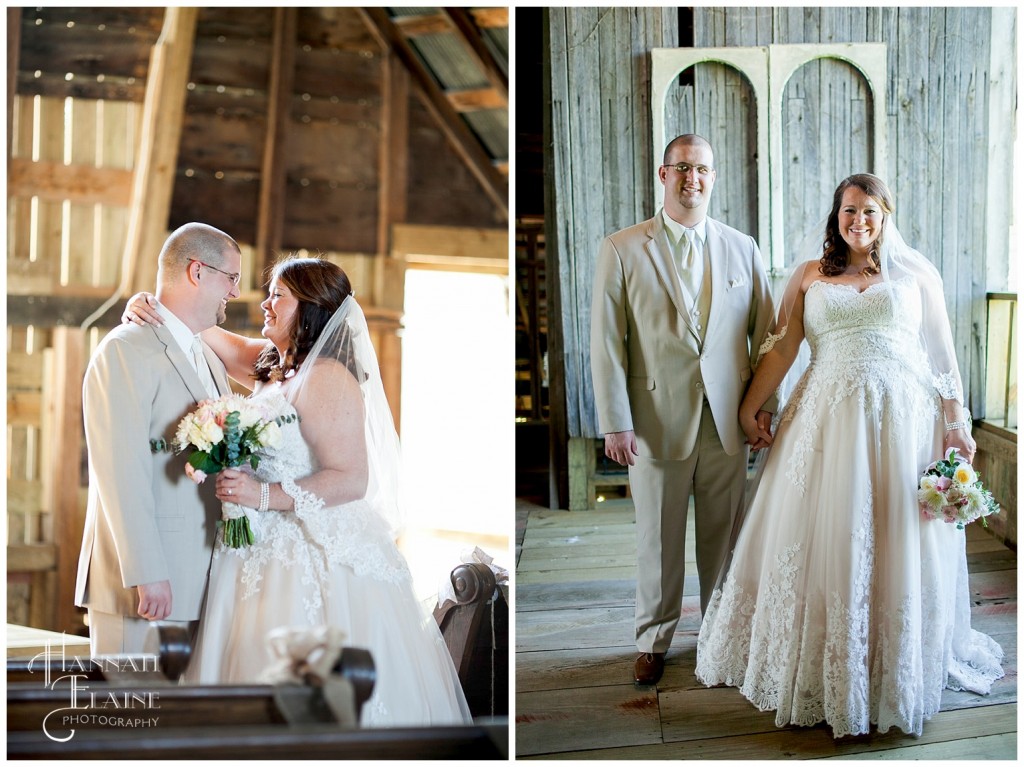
[233,277]
[684,169]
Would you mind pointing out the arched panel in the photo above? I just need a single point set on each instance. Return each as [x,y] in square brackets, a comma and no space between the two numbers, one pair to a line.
[727,81]
[827,132]
[717,101]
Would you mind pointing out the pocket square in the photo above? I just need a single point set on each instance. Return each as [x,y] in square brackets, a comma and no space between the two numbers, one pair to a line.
[738,282]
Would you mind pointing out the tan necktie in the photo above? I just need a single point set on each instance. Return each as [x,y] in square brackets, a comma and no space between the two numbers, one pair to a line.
[688,256]
[202,368]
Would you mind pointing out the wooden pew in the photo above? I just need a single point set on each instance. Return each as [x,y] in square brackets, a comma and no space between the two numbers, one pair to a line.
[475,629]
[477,741]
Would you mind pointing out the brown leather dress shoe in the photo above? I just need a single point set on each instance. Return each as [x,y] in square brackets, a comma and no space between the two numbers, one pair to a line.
[648,667]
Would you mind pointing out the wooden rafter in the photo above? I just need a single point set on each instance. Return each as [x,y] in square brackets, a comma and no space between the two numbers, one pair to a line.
[462,139]
[270,216]
[163,110]
[465,26]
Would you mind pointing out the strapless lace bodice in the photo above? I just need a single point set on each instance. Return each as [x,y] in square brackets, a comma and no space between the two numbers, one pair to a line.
[843,324]
[312,536]
[863,345]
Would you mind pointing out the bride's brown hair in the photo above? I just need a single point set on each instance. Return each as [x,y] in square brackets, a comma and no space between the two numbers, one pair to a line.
[836,253]
[320,288]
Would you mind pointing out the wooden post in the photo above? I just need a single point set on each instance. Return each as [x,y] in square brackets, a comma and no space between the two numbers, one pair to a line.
[64,479]
[270,218]
[157,160]
[13,56]
[582,465]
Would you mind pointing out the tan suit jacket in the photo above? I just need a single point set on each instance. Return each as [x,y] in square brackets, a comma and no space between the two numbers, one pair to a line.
[146,520]
[650,368]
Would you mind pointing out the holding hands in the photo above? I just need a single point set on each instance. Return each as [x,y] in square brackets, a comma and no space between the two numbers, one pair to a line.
[758,428]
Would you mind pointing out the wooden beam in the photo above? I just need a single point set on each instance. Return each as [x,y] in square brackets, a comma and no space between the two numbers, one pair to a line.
[31,557]
[470,34]
[451,247]
[270,217]
[393,170]
[63,480]
[490,18]
[13,56]
[472,99]
[157,159]
[423,24]
[51,180]
[461,138]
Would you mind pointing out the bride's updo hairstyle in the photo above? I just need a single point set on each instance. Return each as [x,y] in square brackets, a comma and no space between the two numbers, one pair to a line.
[836,254]
[320,288]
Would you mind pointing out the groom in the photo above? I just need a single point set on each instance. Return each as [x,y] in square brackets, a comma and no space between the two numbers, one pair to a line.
[149,530]
[681,304]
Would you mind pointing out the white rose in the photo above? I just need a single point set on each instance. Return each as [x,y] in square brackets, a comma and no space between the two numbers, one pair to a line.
[271,435]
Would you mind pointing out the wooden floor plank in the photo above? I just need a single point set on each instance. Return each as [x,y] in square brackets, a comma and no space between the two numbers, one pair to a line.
[564,719]
[575,652]
[580,629]
[531,577]
[969,749]
[817,742]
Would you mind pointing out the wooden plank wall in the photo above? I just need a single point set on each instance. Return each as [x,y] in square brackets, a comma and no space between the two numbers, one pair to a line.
[938,131]
[603,163]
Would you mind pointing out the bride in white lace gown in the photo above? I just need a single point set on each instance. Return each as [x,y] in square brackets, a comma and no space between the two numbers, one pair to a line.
[841,603]
[323,507]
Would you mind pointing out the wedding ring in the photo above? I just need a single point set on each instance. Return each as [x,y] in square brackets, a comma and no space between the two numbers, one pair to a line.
[229,491]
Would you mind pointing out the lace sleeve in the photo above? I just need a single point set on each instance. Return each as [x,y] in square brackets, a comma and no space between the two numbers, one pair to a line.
[306,503]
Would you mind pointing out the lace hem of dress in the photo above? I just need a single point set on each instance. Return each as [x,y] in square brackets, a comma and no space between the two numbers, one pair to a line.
[815,668]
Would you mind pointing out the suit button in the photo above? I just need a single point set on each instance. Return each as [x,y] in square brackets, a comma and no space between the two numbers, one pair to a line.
[698,326]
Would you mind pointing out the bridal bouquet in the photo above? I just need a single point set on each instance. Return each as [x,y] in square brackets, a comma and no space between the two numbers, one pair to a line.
[228,432]
[951,490]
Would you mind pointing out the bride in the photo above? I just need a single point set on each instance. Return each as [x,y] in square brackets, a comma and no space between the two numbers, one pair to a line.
[323,508]
[841,603]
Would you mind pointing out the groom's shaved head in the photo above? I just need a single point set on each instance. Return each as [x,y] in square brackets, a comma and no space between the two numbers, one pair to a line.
[197,241]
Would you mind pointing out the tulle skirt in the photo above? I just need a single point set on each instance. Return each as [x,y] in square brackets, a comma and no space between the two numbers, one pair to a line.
[416,681]
[841,603]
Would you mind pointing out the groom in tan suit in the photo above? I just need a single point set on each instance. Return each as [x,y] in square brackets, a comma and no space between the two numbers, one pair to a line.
[681,304]
[149,529]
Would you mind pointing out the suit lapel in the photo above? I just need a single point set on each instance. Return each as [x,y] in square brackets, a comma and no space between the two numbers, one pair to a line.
[660,253]
[181,364]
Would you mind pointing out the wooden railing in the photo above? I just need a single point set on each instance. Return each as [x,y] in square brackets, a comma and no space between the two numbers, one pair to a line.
[1001,369]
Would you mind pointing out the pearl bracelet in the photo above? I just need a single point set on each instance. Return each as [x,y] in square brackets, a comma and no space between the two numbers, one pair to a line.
[265,496]
[953,426]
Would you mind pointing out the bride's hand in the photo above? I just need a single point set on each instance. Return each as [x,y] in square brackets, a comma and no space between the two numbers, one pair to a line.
[239,487]
[141,309]
[963,441]
[757,427]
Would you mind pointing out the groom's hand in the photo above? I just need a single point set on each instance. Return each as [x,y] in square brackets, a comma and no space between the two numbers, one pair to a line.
[155,600]
[758,430]
[620,446]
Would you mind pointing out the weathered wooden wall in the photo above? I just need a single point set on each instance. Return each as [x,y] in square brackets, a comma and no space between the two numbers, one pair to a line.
[941,70]
[602,164]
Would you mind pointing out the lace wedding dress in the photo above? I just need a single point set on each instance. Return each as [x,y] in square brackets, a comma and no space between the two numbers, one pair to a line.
[317,566]
[841,603]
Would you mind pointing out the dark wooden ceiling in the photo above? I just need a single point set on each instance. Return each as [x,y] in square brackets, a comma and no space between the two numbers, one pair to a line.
[352,158]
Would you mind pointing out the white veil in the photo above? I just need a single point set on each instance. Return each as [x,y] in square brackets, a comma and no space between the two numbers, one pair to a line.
[344,349]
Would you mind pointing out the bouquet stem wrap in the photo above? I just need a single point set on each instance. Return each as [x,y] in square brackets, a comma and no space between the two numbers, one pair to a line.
[237,532]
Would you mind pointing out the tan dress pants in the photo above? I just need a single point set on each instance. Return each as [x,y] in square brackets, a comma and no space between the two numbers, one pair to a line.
[661,491]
